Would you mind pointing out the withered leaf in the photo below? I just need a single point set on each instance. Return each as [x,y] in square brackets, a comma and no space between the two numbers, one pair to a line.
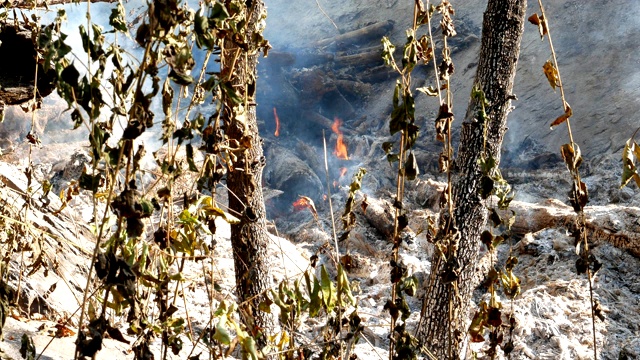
[365,204]
[551,73]
[63,331]
[630,154]
[486,238]
[443,163]
[428,90]
[494,318]
[477,325]
[534,19]
[571,155]
[579,196]
[411,170]
[540,22]
[564,117]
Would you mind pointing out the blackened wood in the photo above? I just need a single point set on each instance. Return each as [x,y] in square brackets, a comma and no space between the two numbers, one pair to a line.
[367,33]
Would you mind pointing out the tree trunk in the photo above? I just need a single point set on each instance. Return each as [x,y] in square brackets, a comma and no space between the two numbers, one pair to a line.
[501,35]
[249,238]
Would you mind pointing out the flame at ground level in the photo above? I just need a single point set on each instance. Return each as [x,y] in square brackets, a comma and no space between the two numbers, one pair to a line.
[341,148]
[305,202]
[275,115]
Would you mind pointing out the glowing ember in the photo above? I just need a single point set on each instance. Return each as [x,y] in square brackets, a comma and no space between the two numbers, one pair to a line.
[305,202]
[275,115]
[343,171]
[341,147]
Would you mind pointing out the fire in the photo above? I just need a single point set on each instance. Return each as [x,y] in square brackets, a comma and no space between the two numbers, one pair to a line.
[343,172]
[275,115]
[341,147]
[305,202]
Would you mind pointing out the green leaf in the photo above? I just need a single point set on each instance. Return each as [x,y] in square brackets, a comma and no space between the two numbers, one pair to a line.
[387,51]
[222,334]
[27,348]
[118,18]
[345,287]
[192,164]
[328,290]
[225,215]
[77,118]
[315,303]
[204,36]
[410,53]
[89,182]
[181,78]
[249,346]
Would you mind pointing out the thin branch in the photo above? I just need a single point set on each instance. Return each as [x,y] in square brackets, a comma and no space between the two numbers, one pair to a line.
[31,4]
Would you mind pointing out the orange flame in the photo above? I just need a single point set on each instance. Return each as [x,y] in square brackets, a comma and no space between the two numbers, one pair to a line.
[275,115]
[305,202]
[341,147]
[343,172]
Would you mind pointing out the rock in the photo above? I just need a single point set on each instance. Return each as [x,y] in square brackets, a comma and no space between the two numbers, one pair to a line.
[66,171]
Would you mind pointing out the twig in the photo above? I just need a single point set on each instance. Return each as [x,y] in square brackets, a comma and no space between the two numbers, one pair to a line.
[326,15]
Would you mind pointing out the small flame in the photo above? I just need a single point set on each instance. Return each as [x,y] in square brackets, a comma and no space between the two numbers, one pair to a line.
[341,147]
[343,172]
[275,115]
[305,202]
[324,197]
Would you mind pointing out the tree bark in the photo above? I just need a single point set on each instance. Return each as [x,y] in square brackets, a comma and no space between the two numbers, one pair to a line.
[249,238]
[501,35]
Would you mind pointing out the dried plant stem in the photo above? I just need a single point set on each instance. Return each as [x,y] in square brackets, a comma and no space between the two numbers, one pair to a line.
[576,175]
[435,65]
[327,16]
[335,239]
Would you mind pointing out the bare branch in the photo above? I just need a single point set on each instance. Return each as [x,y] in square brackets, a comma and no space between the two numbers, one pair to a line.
[30,4]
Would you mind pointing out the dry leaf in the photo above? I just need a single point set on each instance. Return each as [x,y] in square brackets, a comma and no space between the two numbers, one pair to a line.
[551,73]
[63,331]
[541,23]
[365,204]
[564,117]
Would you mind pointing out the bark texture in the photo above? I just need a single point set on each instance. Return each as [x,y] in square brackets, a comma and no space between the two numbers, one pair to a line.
[249,238]
[501,35]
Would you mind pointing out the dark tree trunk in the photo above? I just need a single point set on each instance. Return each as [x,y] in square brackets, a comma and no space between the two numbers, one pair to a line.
[249,238]
[501,35]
